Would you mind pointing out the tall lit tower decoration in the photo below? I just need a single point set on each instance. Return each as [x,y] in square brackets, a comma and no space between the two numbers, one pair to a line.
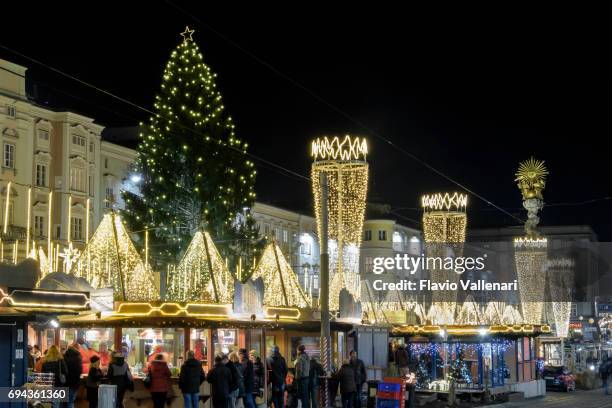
[530,251]
[560,282]
[343,160]
[444,226]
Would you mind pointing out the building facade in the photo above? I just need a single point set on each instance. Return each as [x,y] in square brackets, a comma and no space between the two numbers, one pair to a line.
[58,164]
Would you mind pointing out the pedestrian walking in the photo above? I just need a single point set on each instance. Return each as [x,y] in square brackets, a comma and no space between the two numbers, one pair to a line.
[190,379]
[160,380]
[361,376]
[277,368]
[219,378]
[119,374]
[54,363]
[74,364]
[94,378]
[302,374]
[248,372]
[315,372]
[348,387]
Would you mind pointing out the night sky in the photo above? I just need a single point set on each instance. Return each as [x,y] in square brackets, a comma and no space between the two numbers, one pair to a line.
[471,96]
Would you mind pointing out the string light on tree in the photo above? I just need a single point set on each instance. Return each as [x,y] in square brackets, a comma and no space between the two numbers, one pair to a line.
[194,172]
[344,162]
[281,284]
[202,275]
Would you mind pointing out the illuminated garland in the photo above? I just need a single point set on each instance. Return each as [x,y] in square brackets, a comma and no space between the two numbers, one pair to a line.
[202,275]
[561,280]
[111,260]
[530,259]
[444,230]
[347,186]
[281,284]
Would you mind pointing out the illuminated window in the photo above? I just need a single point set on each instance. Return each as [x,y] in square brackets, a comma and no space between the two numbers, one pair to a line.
[305,248]
[285,236]
[9,156]
[367,235]
[110,197]
[382,235]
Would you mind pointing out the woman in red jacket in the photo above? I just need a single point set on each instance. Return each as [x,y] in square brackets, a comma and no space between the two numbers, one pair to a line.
[160,381]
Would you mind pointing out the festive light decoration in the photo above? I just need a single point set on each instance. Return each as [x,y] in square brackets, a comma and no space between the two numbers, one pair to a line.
[561,282]
[194,171]
[334,149]
[111,260]
[444,225]
[281,284]
[69,255]
[347,178]
[43,262]
[49,243]
[28,220]
[531,250]
[202,275]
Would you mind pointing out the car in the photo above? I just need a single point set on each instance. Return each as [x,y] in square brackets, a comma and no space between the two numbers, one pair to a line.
[559,377]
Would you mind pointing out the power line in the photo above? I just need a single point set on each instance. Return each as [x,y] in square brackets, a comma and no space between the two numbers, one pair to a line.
[342,112]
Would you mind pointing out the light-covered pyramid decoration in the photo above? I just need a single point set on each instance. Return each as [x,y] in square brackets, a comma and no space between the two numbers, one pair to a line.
[281,284]
[111,260]
[201,276]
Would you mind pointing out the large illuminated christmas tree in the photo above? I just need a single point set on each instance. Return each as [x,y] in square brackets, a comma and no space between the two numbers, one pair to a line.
[195,173]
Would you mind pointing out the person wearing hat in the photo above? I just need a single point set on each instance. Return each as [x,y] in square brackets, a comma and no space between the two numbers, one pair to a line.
[94,378]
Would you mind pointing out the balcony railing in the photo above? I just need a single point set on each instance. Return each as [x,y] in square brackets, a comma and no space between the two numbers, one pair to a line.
[13,232]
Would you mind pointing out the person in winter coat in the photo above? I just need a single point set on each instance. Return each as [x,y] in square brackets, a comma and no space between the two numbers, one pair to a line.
[119,374]
[277,368]
[219,378]
[160,380]
[94,378]
[236,380]
[248,373]
[74,363]
[54,363]
[190,379]
[346,378]
[258,372]
[302,373]
[316,371]
[402,360]
[360,377]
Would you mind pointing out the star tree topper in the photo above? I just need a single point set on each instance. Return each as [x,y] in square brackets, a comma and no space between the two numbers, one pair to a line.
[187,34]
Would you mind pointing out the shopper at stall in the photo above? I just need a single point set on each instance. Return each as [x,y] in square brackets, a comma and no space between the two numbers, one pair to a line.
[104,355]
[160,380]
[237,384]
[360,376]
[258,377]
[119,374]
[190,379]
[36,352]
[348,387]
[249,378]
[54,363]
[302,373]
[316,371]
[74,363]
[94,378]
[219,378]
[277,368]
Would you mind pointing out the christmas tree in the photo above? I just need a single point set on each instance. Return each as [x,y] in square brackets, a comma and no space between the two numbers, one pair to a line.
[194,171]
[423,377]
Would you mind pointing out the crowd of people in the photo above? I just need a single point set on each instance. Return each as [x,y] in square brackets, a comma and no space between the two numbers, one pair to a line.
[237,379]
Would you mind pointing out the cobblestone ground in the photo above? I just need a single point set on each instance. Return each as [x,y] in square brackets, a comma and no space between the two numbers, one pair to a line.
[576,399]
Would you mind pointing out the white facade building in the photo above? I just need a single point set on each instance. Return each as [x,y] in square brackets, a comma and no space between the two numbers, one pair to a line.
[59,156]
